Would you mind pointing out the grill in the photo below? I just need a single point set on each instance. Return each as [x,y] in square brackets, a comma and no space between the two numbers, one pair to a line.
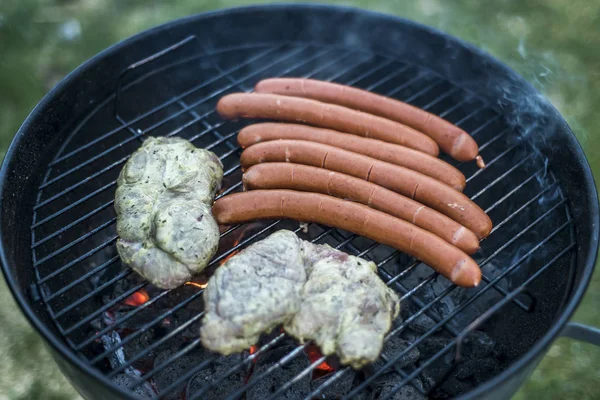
[145,340]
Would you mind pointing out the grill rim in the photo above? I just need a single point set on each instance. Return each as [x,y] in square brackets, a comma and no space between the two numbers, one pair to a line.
[525,364]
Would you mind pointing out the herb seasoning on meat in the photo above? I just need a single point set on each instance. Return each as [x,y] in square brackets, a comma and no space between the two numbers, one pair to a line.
[316,292]
[163,203]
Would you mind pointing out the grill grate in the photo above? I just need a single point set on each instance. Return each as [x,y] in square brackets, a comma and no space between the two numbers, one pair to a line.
[73,231]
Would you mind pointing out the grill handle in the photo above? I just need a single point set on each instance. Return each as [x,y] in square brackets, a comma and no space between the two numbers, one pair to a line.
[582,333]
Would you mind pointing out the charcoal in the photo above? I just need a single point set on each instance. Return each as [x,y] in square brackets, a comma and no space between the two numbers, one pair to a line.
[175,369]
[432,345]
[420,324]
[128,382]
[218,369]
[337,389]
[406,392]
[393,347]
[478,370]
[268,385]
[478,344]
[450,387]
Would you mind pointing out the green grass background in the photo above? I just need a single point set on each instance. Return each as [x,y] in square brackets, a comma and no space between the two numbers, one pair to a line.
[555,44]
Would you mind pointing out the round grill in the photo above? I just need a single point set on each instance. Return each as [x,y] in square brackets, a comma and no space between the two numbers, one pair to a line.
[118,323]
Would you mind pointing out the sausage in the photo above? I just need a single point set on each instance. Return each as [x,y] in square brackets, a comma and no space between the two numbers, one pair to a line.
[389,152]
[318,180]
[312,112]
[409,183]
[451,139]
[353,217]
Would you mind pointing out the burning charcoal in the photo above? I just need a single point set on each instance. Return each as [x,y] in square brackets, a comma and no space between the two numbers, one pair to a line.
[394,346]
[337,389]
[478,344]
[268,385]
[128,382]
[218,369]
[407,392]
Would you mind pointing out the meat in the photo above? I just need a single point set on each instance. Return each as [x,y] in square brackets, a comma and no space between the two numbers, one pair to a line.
[389,152]
[163,204]
[253,292]
[357,218]
[346,309]
[312,112]
[451,139]
[409,183]
[319,180]
[285,280]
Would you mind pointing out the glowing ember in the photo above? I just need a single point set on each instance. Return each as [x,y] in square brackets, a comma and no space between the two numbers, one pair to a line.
[252,349]
[137,299]
[314,354]
[197,284]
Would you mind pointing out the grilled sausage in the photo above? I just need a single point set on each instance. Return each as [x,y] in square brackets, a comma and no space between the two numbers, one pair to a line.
[414,185]
[318,180]
[312,112]
[389,152]
[353,217]
[451,139]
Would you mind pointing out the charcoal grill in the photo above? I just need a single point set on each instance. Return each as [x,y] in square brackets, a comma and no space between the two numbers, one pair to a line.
[107,328]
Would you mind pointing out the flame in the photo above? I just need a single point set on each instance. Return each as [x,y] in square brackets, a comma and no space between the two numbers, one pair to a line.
[253,349]
[197,284]
[314,354]
[137,299]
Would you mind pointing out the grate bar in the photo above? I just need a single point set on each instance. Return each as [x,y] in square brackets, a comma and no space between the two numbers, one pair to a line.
[170,117]
[91,294]
[72,243]
[491,311]
[156,344]
[504,175]
[284,360]
[82,278]
[513,191]
[146,327]
[424,90]
[117,322]
[456,106]
[70,225]
[75,261]
[171,101]
[440,98]
[232,370]
[388,78]
[94,314]
[456,310]
[363,75]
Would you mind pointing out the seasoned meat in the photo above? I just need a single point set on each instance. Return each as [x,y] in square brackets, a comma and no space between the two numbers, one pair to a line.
[346,309]
[316,293]
[163,203]
[253,292]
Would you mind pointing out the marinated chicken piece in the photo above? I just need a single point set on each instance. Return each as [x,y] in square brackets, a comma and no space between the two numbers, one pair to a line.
[253,292]
[316,292]
[163,203]
[346,309]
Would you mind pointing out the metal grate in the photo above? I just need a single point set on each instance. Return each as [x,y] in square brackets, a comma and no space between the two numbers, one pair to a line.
[73,231]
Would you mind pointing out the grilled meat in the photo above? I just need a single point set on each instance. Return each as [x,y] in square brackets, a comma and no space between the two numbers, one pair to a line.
[253,292]
[163,203]
[316,292]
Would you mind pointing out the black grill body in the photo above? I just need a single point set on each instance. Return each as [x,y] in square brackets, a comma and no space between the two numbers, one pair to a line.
[57,224]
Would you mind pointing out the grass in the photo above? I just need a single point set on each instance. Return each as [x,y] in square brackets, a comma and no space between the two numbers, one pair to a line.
[552,43]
